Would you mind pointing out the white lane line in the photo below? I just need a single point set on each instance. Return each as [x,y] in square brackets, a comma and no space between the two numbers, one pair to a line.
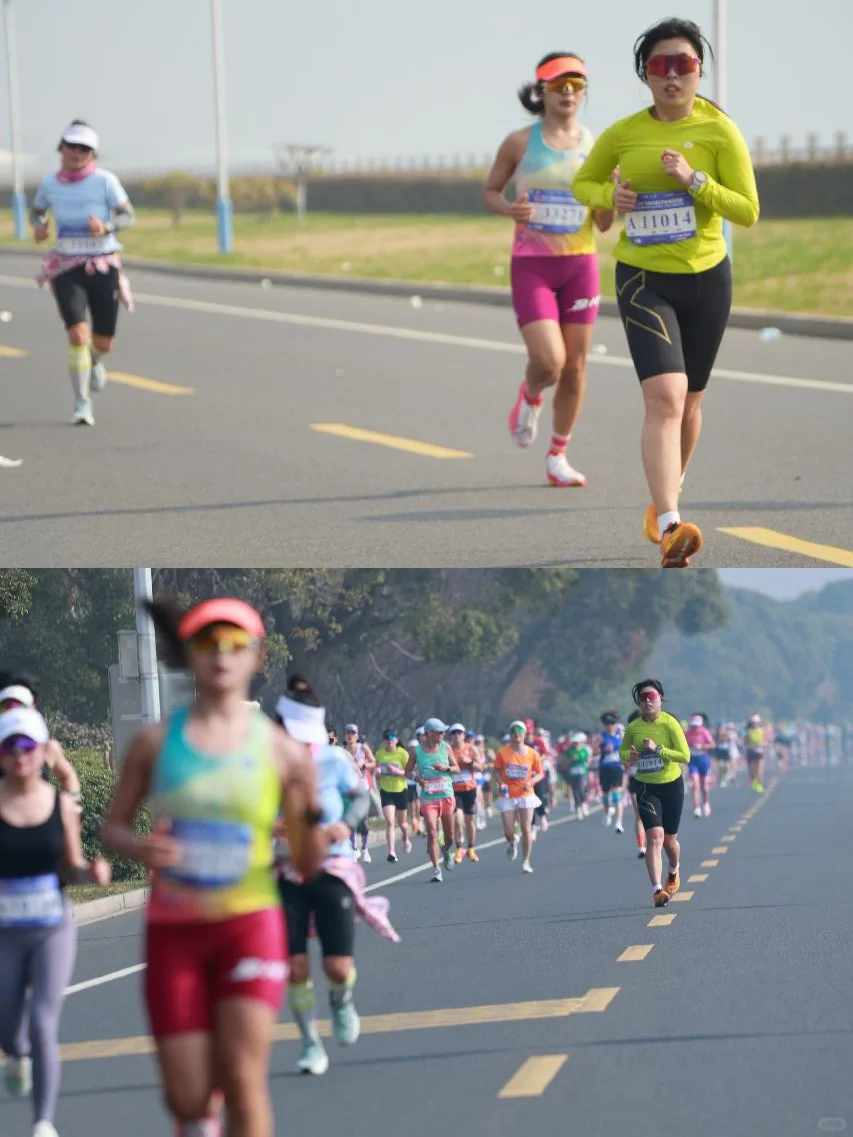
[113,975]
[423,336]
[101,979]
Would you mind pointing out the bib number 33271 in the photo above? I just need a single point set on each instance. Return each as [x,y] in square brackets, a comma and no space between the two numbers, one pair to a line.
[555,211]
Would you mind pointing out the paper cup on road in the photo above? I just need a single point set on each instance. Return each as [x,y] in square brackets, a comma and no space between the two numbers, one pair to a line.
[766,335]
[598,349]
[5,317]
[416,302]
[266,283]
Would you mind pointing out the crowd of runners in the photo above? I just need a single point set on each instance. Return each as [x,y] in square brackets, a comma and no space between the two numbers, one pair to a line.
[261,827]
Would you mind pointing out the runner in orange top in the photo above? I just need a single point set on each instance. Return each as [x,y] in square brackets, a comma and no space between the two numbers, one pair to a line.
[465,790]
[518,767]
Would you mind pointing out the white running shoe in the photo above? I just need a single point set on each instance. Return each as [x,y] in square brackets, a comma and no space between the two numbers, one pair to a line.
[358,854]
[707,809]
[83,413]
[436,875]
[560,473]
[524,418]
[697,812]
[407,846]
[620,828]
[366,857]
[314,1059]
[607,820]
[98,380]
[18,1077]
[526,866]
[45,1129]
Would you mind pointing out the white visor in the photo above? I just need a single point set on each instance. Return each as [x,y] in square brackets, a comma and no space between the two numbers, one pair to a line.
[22,695]
[305,724]
[81,136]
[27,723]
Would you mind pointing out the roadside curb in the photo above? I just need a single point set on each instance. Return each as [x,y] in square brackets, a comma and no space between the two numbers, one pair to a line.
[750,319]
[92,910]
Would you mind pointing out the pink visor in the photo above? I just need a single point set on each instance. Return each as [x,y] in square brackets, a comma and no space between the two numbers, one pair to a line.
[222,610]
[565,65]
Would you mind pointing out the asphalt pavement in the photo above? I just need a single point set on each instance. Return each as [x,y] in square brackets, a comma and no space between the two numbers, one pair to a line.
[294,426]
[552,1002]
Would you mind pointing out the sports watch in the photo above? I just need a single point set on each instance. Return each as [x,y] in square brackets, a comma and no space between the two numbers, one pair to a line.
[698,180]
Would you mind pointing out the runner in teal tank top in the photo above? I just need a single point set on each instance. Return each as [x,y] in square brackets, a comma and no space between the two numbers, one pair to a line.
[434,762]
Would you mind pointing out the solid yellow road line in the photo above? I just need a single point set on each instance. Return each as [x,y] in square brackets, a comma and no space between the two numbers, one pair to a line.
[661,921]
[683,896]
[425,449]
[596,999]
[534,1076]
[12,352]
[720,849]
[709,864]
[770,539]
[635,953]
[143,384]
[697,878]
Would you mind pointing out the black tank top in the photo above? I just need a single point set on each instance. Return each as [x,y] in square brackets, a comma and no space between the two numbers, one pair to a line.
[32,851]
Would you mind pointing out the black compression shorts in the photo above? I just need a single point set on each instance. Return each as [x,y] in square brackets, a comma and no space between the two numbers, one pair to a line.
[331,903]
[79,292]
[675,321]
[660,804]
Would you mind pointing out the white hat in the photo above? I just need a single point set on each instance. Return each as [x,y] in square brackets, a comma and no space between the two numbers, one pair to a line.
[697,720]
[80,136]
[456,726]
[305,724]
[579,736]
[26,722]
[518,723]
[19,694]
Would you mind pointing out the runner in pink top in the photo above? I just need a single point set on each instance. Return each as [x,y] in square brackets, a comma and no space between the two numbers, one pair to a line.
[702,744]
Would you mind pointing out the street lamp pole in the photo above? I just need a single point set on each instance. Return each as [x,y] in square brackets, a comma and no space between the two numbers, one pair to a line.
[19,201]
[224,211]
[720,86]
[146,648]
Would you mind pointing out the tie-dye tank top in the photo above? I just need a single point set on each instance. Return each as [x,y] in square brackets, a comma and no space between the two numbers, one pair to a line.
[560,226]
[222,809]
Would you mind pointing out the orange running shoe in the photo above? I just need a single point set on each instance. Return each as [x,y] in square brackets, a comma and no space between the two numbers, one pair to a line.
[472,856]
[679,543]
[458,855]
[673,883]
[661,898]
[650,524]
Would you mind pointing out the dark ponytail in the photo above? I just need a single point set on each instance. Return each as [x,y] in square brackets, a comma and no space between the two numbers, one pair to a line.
[298,690]
[20,679]
[167,615]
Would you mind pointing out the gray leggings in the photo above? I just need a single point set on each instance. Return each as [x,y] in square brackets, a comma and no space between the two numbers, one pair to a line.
[43,959]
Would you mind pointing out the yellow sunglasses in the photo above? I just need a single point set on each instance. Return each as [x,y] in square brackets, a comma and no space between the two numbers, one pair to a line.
[562,83]
[224,638]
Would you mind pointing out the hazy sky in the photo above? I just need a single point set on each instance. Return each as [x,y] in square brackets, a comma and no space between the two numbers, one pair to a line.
[784,584]
[383,78]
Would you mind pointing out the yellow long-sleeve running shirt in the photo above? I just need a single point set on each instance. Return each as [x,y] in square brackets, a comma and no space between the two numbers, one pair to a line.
[673,230]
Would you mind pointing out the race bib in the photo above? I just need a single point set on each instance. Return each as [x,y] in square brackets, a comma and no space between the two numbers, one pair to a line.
[81,243]
[436,786]
[31,902]
[462,776]
[517,773]
[215,854]
[555,211]
[661,219]
[648,763]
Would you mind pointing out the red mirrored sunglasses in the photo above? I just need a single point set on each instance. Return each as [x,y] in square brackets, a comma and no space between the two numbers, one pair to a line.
[682,64]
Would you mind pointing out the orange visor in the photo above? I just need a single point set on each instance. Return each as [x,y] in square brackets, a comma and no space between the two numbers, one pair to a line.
[565,65]
[221,610]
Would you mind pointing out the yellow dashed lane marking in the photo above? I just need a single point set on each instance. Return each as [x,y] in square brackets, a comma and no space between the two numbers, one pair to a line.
[596,1000]
[770,539]
[661,921]
[720,849]
[682,896]
[697,878]
[635,953]
[156,385]
[425,449]
[534,1076]
[709,864]
[728,839]
[12,352]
